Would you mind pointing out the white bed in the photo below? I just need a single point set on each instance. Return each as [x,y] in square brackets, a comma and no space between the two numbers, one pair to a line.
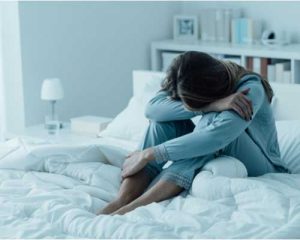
[54,191]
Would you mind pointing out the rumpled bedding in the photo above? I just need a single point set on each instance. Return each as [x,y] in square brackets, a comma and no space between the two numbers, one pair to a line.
[50,191]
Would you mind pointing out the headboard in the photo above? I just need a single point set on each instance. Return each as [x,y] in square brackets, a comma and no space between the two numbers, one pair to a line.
[143,80]
[286,101]
[286,104]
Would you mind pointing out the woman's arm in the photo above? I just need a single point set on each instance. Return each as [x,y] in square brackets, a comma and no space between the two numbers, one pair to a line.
[162,108]
[223,129]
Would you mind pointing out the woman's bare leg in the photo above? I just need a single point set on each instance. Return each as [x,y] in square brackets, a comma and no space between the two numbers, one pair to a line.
[131,188]
[160,191]
[158,132]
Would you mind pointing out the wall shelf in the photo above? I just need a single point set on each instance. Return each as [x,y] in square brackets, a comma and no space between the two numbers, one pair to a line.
[288,52]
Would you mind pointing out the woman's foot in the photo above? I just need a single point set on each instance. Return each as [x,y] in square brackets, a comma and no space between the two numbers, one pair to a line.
[126,209]
[160,191]
[111,207]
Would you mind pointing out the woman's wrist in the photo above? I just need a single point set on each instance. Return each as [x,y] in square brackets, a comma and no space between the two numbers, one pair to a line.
[148,154]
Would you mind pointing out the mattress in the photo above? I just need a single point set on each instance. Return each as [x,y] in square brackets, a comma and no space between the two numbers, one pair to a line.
[50,191]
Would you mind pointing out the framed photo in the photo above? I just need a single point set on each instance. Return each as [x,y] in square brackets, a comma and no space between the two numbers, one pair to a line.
[185,27]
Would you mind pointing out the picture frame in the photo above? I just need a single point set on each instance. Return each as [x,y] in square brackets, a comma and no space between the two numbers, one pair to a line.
[185,27]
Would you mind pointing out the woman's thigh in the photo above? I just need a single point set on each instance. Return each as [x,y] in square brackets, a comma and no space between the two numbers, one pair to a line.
[245,150]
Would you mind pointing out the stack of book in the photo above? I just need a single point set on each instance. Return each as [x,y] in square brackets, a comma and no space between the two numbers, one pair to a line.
[245,30]
[226,25]
[258,65]
[273,70]
[89,125]
[280,72]
[215,24]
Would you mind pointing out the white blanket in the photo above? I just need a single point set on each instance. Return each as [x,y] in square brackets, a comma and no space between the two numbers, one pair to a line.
[54,192]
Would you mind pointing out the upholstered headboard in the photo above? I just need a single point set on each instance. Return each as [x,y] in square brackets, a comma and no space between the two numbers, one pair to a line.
[286,101]
[146,79]
[286,105]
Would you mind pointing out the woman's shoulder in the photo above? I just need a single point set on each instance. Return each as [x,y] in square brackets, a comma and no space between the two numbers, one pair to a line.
[249,79]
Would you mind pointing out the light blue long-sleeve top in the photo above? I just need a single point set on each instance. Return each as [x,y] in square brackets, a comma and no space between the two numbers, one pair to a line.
[223,127]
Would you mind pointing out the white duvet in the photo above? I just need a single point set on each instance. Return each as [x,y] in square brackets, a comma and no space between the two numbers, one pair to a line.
[54,192]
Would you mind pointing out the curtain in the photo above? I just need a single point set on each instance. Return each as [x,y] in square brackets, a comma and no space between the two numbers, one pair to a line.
[2,92]
[2,97]
[2,106]
[11,84]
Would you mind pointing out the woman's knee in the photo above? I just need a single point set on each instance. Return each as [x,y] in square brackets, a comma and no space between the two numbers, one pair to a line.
[163,127]
[172,129]
[160,132]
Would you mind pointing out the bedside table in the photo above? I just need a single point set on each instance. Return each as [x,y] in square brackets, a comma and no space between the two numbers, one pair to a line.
[39,133]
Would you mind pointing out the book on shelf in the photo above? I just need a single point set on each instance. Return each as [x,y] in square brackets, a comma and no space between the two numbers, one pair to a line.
[271,74]
[219,25]
[258,65]
[235,31]
[287,76]
[245,30]
[208,24]
[249,63]
[227,25]
[233,59]
[264,67]
[280,68]
[215,24]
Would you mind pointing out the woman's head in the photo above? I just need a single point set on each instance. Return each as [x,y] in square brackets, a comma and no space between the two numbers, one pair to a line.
[198,79]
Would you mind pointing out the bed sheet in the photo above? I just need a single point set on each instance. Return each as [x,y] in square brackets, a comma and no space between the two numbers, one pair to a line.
[54,192]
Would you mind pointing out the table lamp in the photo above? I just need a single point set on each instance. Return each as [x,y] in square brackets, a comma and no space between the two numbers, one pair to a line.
[52,91]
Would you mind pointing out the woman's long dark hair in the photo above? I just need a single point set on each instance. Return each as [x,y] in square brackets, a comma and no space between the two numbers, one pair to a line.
[199,79]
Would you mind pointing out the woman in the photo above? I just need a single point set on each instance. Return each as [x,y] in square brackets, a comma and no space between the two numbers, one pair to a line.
[237,121]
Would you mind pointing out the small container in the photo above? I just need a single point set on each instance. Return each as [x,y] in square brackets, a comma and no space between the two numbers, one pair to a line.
[52,125]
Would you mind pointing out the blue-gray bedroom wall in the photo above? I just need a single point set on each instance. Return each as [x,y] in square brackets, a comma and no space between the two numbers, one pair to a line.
[93,47]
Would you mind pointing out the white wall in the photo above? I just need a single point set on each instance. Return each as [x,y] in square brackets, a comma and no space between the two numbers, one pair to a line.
[279,16]
[12,112]
[93,47]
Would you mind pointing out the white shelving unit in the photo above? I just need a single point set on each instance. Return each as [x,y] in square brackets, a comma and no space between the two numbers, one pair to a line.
[289,52]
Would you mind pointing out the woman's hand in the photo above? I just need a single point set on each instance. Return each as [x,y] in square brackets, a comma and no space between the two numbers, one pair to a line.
[237,102]
[136,161]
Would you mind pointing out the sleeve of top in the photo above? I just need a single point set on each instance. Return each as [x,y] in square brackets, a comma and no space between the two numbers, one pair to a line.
[162,108]
[221,130]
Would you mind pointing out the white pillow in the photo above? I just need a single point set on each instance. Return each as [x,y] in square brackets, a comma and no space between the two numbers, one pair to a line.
[218,171]
[131,123]
[289,143]
[226,166]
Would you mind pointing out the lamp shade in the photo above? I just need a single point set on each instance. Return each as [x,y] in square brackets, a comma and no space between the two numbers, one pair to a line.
[52,89]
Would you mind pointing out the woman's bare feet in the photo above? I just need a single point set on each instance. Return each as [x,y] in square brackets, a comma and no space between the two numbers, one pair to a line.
[160,191]
[111,207]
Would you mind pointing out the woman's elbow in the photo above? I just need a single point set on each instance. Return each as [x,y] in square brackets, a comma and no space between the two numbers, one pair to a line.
[149,113]
[153,114]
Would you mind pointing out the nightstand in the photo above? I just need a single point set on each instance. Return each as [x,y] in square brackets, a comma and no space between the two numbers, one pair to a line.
[38,133]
